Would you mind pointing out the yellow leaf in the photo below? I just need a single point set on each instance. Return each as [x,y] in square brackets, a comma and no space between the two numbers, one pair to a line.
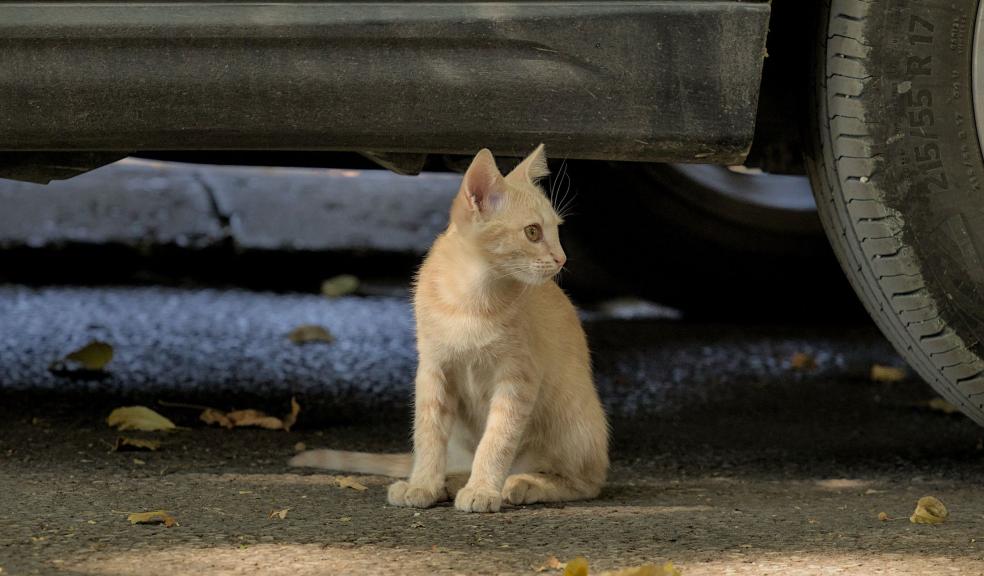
[300,447]
[670,570]
[881,373]
[155,517]
[125,444]
[351,482]
[577,567]
[929,510]
[310,333]
[883,516]
[552,563]
[93,357]
[138,418]
[941,405]
[282,514]
[667,569]
[339,285]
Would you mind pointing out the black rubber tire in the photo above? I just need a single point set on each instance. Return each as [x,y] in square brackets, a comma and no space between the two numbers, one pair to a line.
[897,172]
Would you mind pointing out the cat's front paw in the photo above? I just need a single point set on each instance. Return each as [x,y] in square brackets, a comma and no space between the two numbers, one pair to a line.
[472,499]
[402,493]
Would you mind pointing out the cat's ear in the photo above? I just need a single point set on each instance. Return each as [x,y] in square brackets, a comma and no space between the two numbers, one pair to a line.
[483,189]
[532,168]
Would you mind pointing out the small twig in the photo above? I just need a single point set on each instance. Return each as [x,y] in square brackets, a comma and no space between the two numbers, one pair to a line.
[183,405]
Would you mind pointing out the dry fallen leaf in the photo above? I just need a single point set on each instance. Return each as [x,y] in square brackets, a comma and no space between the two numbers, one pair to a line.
[802,361]
[282,514]
[929,510]
[552,563]
[249,417]
[93,357]
[254,418]
[126,444]
[576,567]
[350,482]
[339,286]
[883,517]
[291,419]
[213,416]
[138,418]
[941,405]
[310,333]
[667,569]
[300,447]
[881,373]
[155,517]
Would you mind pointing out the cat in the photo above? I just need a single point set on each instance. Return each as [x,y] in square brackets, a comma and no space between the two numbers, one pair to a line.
[504,387]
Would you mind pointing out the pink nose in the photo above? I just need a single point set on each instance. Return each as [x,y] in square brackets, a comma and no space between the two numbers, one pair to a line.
[560,260]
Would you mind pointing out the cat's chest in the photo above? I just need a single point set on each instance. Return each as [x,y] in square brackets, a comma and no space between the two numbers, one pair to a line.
[467,335]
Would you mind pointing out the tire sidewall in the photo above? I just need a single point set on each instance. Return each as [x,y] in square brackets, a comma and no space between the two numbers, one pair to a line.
[932,169]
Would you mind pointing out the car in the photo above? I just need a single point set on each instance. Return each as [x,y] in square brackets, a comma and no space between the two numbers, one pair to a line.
[695,129]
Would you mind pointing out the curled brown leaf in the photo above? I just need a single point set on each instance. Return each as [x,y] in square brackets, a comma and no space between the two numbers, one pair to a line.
[155,517]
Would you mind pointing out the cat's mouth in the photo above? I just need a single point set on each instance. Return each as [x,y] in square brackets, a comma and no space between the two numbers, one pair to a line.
[544,274]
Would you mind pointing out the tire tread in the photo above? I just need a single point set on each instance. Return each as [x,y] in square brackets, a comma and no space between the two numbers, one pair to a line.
[866,234]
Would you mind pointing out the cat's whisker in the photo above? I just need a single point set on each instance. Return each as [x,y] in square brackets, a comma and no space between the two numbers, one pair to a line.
[564,204]
[564,210]
[557,182]
[512,271]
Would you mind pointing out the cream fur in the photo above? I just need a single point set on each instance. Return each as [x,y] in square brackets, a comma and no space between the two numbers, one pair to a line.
[504,378]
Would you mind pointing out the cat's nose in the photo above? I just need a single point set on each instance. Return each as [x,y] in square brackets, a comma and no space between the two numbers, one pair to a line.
[559,259]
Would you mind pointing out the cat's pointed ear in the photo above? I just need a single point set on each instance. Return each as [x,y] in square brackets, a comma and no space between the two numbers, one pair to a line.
[482,191]
[532,168]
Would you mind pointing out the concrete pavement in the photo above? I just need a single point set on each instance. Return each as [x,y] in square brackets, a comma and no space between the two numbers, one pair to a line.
[726,458]
[142,203]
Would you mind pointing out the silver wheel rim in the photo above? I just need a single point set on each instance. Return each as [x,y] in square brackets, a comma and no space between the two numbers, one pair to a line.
[977,81]
[773,202]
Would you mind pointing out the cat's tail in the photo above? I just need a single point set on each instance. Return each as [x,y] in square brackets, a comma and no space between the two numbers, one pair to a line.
[394,465]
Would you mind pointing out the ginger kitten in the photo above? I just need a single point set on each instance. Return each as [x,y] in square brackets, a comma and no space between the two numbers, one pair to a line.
[504,387]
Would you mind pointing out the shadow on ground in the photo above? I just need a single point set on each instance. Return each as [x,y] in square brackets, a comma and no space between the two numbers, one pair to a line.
[726,459]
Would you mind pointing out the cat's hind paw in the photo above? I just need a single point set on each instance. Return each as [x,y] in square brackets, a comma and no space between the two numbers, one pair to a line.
[402,493]
[521,490]
[471,499]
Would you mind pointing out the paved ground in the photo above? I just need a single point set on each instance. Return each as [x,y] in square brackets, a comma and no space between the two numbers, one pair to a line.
[144,205]
[727,460]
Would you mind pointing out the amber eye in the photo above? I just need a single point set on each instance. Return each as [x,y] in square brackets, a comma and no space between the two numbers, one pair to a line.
[533,233]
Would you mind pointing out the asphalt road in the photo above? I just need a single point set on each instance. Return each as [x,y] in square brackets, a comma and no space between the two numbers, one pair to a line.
[727,459]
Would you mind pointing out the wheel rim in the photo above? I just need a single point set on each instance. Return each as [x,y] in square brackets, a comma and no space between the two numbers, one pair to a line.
[978,74]
[769,202]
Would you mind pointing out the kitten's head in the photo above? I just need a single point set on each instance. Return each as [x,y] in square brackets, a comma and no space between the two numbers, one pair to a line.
[509,218]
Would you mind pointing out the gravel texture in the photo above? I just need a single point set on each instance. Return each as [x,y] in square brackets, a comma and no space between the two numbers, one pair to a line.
[726,459]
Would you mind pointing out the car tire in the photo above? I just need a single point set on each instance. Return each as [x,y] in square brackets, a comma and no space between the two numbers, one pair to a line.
[897,171]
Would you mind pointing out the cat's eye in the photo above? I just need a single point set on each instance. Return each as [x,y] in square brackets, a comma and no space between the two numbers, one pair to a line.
[534,233]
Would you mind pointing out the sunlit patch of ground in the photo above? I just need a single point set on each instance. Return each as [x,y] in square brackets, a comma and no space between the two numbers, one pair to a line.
[317,560]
